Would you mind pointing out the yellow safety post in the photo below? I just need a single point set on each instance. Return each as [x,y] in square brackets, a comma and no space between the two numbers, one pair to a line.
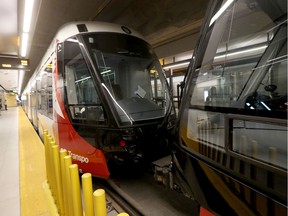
[47,146]
[62,154]
[75,188]
[99,199]
[244,144]
[52,169]
[254,149]
[87,194]
[51,175]
[273,155]
[67,188]
[123,214]
[45,134]
[57,172]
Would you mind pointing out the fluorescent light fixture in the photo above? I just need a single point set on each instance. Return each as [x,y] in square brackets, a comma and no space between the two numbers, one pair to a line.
[83,79]
[24,44]
[20,81]
[241,52]
[176,65]
[265,106]
[27,15]
[28,9]
[221,11]
[105,72]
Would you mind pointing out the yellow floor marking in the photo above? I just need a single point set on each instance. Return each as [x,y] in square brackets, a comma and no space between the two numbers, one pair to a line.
[35,198]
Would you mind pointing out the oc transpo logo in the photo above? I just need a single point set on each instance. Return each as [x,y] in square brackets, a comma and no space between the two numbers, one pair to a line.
[80,158]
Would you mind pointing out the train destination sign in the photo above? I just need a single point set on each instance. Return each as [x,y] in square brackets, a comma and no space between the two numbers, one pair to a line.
[14,63]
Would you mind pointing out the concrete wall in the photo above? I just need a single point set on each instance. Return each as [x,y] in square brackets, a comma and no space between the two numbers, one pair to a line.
[11,99]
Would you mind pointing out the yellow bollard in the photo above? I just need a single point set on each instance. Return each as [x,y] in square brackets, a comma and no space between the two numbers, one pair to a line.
[123,214]
[52,169]
[87,194]
[45,134]
[57,172]
[52,182]
[254,149]
[99,199]
[273,155]
[62,154]
[67,188]
[244,144]
[75,188]
[47,147]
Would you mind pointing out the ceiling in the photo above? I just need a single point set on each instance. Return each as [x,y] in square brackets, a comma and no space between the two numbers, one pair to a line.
[170,26]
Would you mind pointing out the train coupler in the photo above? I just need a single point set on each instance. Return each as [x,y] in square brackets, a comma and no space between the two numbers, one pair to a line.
[162,171]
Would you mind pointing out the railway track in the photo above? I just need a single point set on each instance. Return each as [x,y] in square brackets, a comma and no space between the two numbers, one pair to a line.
[117,200]
[138,194]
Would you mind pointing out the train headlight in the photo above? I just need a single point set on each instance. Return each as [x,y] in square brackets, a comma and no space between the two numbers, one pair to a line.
[122,143]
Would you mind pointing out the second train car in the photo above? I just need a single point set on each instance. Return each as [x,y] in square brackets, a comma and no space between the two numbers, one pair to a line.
[101,93]
[231,154]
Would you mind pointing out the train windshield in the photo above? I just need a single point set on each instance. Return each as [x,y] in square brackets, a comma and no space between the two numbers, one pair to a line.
[240,68]
[244,65]
[131,76]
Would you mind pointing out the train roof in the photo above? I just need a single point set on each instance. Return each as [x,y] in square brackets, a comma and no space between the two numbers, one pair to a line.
[74,28]
[82,27]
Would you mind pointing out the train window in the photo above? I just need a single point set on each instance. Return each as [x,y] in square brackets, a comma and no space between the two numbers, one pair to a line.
[266,142]
[233,115]
[269,79]
[82,97]
[44,92]
[243,66]
[38,93]
[241,70]
[130,74]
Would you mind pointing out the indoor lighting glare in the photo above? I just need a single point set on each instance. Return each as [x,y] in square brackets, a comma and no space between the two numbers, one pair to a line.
[220,11]
[83,79]
[73,40]
[27,15]
[105,72]
[265,106]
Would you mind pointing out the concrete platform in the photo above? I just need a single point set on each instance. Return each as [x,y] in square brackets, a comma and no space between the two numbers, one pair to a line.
[23,182]
[23,185]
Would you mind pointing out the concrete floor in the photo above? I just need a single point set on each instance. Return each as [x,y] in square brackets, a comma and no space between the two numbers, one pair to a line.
[9,163]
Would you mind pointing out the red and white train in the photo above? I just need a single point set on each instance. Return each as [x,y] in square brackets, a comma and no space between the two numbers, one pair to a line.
[101,93]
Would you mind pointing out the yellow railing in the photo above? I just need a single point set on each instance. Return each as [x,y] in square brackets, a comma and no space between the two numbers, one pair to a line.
[64,183]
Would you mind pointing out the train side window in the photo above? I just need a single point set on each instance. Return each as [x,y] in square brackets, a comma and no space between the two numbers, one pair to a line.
[44,92]
[82,97]
[243,71]
[266,142]
[270,93]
